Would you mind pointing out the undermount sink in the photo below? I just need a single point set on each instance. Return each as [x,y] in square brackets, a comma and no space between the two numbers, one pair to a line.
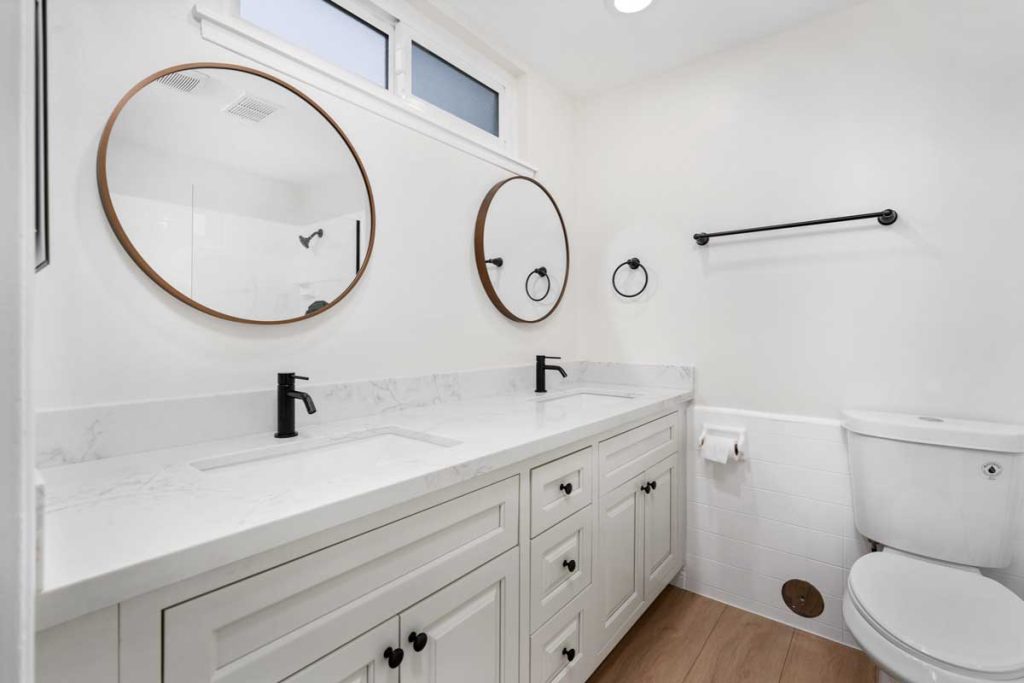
[394,440]
[589,397]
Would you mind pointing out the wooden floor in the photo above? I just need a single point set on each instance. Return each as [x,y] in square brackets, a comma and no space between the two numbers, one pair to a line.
[687,637]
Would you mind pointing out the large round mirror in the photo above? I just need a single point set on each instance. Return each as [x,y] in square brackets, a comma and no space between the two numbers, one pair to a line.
[522,250]
[236,193]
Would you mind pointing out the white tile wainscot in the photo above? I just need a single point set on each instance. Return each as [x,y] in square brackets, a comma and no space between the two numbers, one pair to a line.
[312,560]
[783,512]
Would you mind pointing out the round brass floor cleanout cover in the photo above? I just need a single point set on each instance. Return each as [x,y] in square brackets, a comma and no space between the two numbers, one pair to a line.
[803,598]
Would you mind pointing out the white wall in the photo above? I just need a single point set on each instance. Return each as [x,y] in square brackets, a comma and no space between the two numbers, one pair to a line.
[914,105]
[105,333]
[17,585]
[910,104]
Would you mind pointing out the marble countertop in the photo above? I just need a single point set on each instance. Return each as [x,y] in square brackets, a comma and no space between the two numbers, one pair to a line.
[120,527]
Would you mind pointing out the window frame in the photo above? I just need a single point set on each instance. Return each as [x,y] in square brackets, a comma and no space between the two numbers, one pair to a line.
[221,22]
[362,11]
[471,65]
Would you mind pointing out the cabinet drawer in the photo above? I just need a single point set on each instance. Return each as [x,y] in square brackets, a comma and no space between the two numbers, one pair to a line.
[271,625]
[564,547]
[554,643]
[549,500]
[628,454]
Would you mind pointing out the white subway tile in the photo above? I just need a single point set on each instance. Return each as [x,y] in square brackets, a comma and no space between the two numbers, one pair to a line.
[830,487]
[737,581]
[814,454]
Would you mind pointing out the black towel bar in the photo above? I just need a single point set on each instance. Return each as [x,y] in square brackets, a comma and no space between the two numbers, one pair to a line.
[887,217]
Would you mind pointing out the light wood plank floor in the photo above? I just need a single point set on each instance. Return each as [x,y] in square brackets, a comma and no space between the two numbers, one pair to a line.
[685,637]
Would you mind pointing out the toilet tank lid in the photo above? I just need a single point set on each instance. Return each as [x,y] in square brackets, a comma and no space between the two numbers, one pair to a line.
[984,436]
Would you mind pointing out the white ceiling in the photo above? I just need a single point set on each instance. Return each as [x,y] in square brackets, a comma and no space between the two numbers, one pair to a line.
[583,46]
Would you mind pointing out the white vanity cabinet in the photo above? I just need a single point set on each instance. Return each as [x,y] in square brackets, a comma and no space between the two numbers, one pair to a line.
[530,573]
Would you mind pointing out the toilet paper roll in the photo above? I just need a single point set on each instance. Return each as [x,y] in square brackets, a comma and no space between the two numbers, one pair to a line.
[718,449]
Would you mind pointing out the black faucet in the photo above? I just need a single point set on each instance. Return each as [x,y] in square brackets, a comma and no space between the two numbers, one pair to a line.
[286,397]
[542,368]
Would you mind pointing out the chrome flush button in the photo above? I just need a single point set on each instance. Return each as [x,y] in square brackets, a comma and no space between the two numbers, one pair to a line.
[992,469]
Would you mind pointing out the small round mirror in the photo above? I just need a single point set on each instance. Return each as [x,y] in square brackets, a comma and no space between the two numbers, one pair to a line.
[236,193]
[522,249]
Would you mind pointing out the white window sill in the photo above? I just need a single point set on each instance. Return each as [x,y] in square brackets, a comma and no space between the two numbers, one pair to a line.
[239,36]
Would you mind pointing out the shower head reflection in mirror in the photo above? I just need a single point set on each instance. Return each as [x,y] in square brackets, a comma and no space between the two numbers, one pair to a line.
[208,172]
[309,238]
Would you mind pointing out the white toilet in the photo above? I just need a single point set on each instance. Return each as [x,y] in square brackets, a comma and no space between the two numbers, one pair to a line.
[942,498]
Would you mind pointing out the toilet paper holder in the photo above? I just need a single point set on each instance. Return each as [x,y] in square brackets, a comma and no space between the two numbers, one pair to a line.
[737,435]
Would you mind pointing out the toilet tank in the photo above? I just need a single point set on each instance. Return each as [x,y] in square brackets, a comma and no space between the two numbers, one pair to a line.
[945,489]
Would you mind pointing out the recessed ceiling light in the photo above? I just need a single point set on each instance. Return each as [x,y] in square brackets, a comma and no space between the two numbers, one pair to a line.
[631,6]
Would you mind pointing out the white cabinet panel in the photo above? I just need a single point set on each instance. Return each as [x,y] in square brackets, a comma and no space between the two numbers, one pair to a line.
[620,573]
[662,538]
[83,650]
[560,488]
[560,565]
[361,661]
[269,626]
[471,628]
[628,454]
[558,651]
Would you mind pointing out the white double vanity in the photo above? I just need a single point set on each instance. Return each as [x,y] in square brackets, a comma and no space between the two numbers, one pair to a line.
[509,538]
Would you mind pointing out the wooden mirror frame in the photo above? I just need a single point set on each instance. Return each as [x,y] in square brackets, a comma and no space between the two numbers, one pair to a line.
[122,236]
[481,259]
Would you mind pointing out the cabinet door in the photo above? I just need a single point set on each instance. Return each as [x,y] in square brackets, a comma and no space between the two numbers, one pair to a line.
[620,567]
[662,554]
[471,628]
[360,661]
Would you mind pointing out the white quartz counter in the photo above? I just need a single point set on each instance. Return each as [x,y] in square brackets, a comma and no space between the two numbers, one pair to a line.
[121,527]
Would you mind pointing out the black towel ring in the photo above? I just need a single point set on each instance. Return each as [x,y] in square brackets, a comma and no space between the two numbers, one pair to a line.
[543,272]
[633,264]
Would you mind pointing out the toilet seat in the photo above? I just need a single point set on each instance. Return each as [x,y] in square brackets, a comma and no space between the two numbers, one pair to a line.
[949,619]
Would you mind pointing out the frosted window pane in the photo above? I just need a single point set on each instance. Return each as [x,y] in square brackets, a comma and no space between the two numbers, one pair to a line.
[444,86]
[326,30]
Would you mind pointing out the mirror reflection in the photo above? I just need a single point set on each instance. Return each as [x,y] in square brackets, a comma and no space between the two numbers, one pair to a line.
[236,194]
[522,250]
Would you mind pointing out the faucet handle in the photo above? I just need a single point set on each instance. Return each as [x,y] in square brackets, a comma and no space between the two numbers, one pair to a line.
[549,358]
[301,377]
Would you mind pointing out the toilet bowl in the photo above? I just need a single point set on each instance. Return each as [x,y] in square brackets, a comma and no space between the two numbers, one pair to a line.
[942,496]
[921,620]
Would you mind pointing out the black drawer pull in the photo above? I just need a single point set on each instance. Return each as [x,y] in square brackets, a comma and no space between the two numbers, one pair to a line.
[570,565]
[418,640]
[394,656]
[570,654]
[565,487]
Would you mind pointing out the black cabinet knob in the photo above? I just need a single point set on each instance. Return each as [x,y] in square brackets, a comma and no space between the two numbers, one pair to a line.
[565,487]
[646,488]
[394,655]
[652,484]
[570,653]
[418,640]
[570,565]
